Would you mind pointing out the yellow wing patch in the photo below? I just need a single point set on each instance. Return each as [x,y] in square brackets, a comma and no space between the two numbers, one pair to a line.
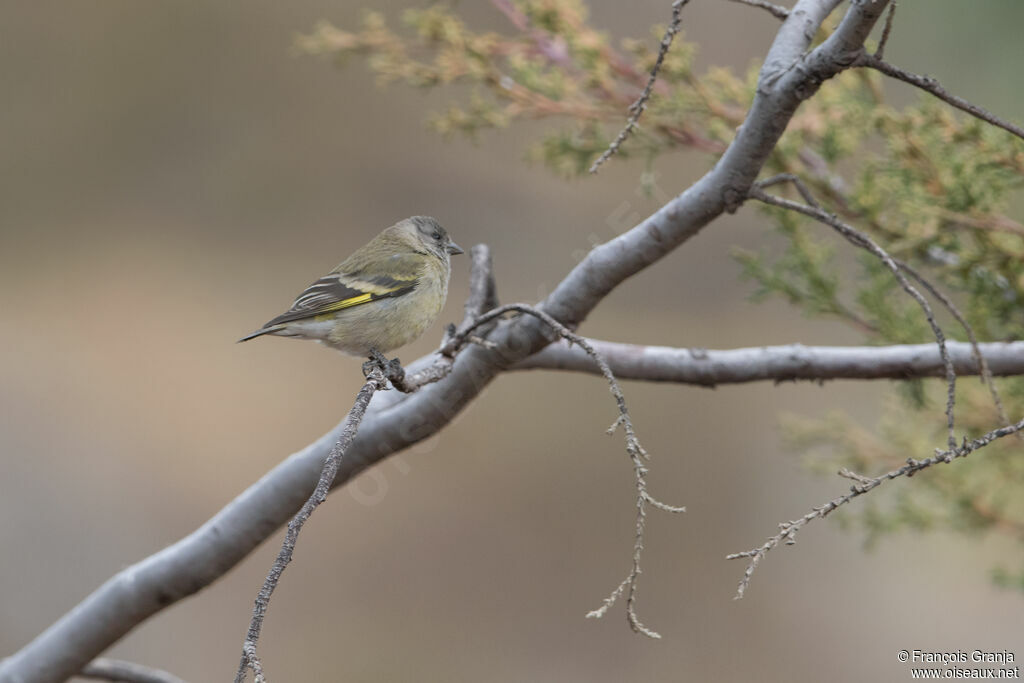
[326,311]
[330,294]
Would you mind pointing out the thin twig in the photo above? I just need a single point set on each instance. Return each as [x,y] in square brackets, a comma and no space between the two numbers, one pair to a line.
[983,369]
[788,530]
[106,669]
[375,381]
[638,107]
[886,30]
[776,11]
[859,239]
[929,84]
[801,187]
[636,451]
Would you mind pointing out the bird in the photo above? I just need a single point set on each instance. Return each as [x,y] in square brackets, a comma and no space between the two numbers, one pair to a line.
[382,297]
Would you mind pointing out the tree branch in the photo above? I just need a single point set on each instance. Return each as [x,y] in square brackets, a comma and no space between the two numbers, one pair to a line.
[106,669]
[979,356]
[863,484]
[886,31]
[395,421]
[929,84]
[788,77]
[789,363]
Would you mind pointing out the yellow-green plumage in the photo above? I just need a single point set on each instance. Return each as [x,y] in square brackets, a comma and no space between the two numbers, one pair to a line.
[383,296]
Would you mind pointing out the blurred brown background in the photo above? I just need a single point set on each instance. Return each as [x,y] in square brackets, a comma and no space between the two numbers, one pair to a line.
[171,176]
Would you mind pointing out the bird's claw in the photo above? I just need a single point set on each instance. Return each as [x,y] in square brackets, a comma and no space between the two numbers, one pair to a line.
[392,369]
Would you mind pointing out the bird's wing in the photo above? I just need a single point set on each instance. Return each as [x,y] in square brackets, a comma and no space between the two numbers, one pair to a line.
[394,277]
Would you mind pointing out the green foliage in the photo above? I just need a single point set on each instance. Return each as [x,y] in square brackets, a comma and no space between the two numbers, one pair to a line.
[929,185]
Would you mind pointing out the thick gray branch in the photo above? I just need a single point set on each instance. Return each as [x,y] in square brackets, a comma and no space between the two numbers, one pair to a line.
[777,363]
[105,669]
[787,78]
[395,421]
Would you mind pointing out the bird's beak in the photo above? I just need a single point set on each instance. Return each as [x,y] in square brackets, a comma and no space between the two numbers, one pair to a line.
[453,248]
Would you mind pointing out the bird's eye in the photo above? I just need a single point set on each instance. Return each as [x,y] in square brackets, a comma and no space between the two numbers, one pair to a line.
[437,236]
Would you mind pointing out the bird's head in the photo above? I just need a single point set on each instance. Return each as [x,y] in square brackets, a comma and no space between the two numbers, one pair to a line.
[424,233]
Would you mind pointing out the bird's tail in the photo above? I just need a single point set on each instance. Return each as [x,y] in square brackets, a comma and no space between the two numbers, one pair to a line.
[258,333]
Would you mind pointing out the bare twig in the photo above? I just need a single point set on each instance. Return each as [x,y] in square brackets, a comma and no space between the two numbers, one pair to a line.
[106,669]
[886,30]
[861,240]
[929,84]
[638,107]
[776,11]
[375,381]
[636,452]
[983,368]
[788,530]
[799,184]
[786,363]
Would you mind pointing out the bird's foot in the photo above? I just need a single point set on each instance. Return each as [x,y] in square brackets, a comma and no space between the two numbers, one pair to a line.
[392,369]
